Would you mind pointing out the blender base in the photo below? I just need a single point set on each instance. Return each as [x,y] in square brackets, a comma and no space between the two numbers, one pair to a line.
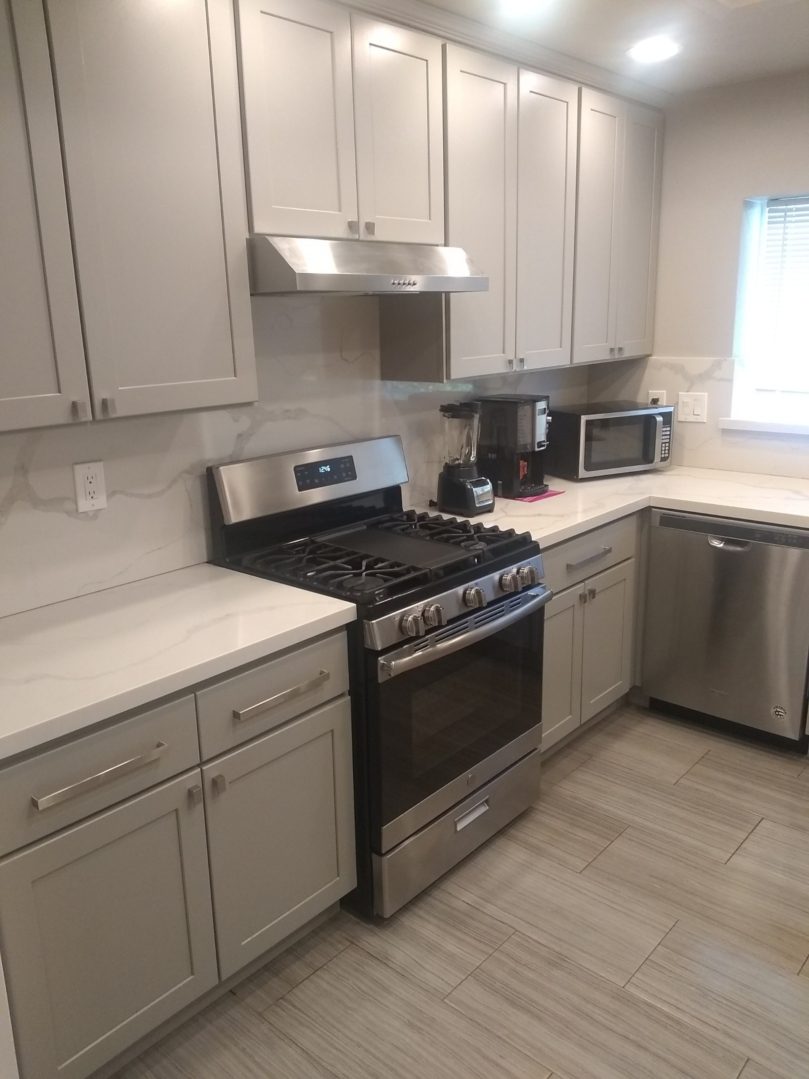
[462,491]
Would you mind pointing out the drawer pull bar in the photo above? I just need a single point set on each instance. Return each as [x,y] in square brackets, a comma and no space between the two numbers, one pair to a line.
[91,783]
[471,815]
[590,558]
[280,698]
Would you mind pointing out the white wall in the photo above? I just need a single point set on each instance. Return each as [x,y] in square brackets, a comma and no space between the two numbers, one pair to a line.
[721,147]
[319,383]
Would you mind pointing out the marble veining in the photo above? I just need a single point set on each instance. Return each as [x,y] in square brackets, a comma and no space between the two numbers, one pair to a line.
[69,665]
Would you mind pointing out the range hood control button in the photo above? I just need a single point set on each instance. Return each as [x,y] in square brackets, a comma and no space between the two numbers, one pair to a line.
[433,615]
[510,581]
[474,597]
[412,625]
[528,576]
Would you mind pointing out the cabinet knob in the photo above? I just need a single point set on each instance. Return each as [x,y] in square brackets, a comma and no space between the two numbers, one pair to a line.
[78,410]
[620,351]
[108,406]
[353,227]
[521,361]
[370,228]
[219,784]
[195,794]
[510,364]
[591,593]
[612,352]
[582,597]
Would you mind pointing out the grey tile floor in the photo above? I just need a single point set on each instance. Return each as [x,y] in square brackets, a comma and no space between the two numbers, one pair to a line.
[647,919]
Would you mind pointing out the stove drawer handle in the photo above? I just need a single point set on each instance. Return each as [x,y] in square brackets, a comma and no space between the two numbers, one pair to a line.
[405,660]
[471,815]
[242,715]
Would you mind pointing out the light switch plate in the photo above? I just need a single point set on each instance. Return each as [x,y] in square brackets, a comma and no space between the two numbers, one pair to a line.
[693,408]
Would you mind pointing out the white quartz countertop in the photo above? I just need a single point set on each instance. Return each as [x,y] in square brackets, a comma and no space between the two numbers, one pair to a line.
[586,505]
[72,664]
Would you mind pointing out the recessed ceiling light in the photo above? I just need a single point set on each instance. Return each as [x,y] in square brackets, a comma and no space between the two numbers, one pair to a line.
[518,8]
[654,49]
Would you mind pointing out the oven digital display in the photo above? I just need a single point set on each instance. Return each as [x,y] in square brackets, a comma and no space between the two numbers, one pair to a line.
[325,473]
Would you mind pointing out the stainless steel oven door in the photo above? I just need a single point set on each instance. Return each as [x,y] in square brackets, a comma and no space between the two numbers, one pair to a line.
[613,443]
[454,710]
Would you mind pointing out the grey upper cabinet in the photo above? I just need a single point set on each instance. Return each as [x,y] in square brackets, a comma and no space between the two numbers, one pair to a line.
[617,223]
[107,930]
[281,832]
[343,123]
[151,141]
[42,373]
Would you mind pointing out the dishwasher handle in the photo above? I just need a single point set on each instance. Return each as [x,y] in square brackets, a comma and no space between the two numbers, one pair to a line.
[723,544]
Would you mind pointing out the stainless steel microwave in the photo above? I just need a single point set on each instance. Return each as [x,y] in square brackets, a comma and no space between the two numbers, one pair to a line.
[608,439]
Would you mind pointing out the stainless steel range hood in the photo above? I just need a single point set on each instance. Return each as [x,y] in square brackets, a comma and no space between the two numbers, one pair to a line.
[302,264]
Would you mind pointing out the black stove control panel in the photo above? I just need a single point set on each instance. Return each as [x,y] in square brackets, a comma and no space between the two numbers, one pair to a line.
[324,473]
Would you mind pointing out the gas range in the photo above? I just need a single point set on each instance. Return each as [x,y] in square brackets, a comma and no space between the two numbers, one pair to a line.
[445,655]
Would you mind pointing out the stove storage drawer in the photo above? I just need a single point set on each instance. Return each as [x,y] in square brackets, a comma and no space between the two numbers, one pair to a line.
[51,790]
[260,698]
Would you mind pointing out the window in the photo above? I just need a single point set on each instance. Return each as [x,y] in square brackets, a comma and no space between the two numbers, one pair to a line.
[771,343]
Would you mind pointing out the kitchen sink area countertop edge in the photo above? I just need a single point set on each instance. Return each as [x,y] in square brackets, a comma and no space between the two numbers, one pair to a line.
[72,664]
[775,500]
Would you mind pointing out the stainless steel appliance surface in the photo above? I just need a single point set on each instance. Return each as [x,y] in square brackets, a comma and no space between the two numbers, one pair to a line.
[281,264]
[609,438]
[445,655]
[727,621]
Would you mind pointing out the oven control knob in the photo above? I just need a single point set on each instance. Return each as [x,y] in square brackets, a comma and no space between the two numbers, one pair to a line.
[412,625]
[474,597]
[433,615]
[528,576]
[510,581]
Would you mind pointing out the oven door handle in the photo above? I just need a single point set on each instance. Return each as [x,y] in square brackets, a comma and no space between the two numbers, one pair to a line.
[391,666]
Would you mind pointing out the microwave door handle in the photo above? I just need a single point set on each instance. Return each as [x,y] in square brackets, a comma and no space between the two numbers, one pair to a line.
[658,458]
[404,660]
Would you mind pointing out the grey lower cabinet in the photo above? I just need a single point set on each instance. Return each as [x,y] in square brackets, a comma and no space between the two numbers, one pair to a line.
[281,832]
[589,634]
[107,930]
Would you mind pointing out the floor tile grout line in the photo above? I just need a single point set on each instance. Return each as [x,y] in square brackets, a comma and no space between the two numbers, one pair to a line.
[603,849]
[479,965]
[694,765]
[651,953]
[263,1012]
[732,853]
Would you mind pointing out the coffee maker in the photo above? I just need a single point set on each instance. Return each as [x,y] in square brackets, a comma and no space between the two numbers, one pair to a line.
[461,489]
[513,438]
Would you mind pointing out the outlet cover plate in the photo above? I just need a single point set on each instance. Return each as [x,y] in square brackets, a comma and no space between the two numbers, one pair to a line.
[693,408]
[656,397]
[91,492]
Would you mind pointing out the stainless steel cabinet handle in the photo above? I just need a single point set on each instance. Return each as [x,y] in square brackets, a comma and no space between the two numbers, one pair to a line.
[195,794]
[590,558]
[108,406]
[219,784]
[472,814]
[582,597]
[510,364]
[78,410]
[91,783]
[239,716]
[521,361]
[370,228]
[591,593]
[620,351]
[353,226]
[612,352]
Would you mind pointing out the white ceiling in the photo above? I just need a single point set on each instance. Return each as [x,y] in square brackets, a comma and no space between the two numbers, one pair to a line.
[723,41]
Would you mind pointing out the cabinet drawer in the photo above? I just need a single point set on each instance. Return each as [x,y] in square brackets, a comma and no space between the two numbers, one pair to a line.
[571,562]
[56,788]
[257,700]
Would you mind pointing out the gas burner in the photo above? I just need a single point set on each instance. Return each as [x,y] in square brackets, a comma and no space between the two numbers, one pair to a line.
[363,585]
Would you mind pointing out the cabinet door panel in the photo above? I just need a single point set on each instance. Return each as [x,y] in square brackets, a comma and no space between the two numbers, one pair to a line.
[643,142]
[141,93]
[299,121]
[281,832]
[398,102]
[107,931]
[43,370]
[597,227]
[482,207]
[562,666]
[608,638]
[546,219]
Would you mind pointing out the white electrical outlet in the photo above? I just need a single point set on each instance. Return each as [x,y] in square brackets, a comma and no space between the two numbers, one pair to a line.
[91,494]
[656,397]
[693,408]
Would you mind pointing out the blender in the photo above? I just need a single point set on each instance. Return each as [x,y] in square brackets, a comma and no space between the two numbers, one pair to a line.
[460,489]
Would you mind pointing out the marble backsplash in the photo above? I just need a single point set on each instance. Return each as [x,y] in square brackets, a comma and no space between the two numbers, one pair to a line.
[702,445]
[319,383]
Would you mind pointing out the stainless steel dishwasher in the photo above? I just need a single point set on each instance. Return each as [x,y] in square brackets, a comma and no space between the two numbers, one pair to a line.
[727,620]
